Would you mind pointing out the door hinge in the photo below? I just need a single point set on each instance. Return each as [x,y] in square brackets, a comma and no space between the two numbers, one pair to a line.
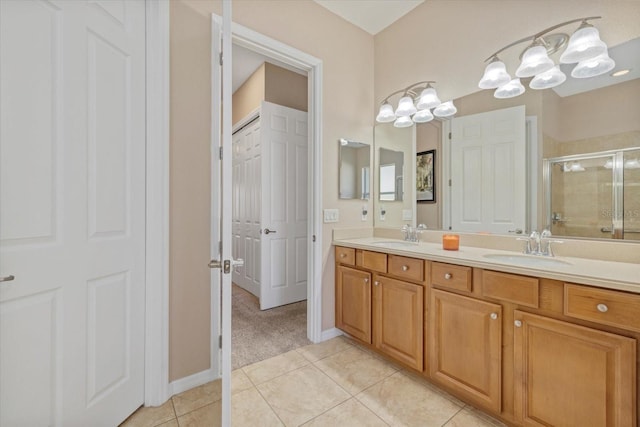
[313,238]
[220,248]
[221,59]
[219,341]
[449,183]
[220,153]
[449,135]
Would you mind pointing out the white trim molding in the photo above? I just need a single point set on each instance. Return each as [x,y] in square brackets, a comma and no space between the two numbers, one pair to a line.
[192,381]
[156,378]
[245,37]
[331,333]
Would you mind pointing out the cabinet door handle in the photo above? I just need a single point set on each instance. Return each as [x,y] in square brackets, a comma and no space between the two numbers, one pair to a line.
[366,280]
[494,316]
[405,267]
[518,323]
[448,276]
[602,308]
[376,283]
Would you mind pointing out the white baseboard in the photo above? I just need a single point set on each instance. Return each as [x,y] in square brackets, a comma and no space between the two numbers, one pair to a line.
[331,333]
[195,380]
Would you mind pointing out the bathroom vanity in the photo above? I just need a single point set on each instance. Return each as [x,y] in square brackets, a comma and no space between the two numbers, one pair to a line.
[530,340]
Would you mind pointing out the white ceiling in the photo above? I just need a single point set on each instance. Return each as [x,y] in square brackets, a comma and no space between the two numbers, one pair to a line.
[372,16]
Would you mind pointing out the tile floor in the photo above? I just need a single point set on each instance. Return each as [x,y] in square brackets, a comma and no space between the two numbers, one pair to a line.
[334,383]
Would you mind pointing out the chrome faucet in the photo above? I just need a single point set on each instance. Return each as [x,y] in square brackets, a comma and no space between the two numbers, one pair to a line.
[539,243]
[412,234]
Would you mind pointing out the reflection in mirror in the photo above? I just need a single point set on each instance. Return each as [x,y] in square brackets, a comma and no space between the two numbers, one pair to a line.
[391,175]
[355,170]
[579,117]
[394,181]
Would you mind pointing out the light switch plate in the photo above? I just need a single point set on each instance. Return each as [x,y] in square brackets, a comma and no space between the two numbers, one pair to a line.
[331,215]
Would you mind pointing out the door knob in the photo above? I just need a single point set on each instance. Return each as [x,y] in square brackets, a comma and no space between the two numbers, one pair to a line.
[7,278]
[267,231]
[214,263]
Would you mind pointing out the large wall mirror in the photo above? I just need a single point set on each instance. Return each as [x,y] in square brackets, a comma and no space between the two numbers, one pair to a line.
[582,156]
[355,170]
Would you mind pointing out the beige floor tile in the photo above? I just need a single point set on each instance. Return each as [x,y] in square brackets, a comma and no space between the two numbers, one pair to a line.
[470,417]
[321,350]
[240,381]
[206,416]
[351,413]
[303,394]
[151,416]
[172,423]
[355,370]
[399,400]
[197,397]
[249,409]
[274,367]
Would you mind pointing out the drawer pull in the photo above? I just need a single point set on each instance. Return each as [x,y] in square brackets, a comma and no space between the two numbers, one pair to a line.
[602,308]
[518,323]
[376,283]
[448,276]
[494,316]
[405,268]
[343,255]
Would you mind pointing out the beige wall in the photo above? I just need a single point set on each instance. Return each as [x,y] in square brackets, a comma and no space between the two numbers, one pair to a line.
[348,104]
[272,84]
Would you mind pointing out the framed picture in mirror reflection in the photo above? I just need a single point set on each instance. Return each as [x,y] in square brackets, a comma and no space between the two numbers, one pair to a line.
[425,176]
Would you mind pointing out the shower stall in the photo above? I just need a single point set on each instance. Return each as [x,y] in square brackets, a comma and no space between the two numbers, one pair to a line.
[594,195]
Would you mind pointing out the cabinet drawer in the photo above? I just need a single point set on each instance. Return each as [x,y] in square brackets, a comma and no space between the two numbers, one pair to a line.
[374,261]
[603,306]
[510,287]
[451,276]
[345,256]
[407,268]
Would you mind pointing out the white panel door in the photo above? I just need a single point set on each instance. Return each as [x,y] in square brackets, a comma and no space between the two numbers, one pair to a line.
[246,206]
[284,205]
[488,171]
[72,211]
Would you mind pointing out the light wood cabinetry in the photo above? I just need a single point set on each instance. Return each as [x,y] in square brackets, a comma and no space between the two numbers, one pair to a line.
[398,320]
[531,351]
[466,347]
[570,375]
[353,302]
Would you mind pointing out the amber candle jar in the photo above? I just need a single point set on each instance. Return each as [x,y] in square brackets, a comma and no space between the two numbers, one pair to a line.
[450,242]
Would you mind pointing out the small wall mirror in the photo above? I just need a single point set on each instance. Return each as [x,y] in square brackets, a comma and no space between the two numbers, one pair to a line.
[355,170]
[391,175]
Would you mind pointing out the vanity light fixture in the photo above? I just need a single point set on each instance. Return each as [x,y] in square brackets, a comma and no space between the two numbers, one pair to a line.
[415,106]
[584,47]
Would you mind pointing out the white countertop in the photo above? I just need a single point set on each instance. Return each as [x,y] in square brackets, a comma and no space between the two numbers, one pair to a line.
[605,274]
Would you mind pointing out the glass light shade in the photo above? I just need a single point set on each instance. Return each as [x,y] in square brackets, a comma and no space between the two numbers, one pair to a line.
[495,75]
[534,61]
[548,79]
[584,44]
[428,99]
[405,107]
[403,122]
[445,109]
[509,90]
[601,64]
[386,114]
[423,116]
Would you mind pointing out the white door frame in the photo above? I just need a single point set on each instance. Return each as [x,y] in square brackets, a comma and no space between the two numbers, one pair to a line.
[252,40]
[157,184]
[156,378]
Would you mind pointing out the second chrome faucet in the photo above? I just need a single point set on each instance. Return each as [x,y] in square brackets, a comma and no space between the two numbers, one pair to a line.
[539,243]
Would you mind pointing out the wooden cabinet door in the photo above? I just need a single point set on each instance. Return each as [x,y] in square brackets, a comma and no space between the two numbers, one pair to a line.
[572,375]
[466,347]
[398,320]
[353,302]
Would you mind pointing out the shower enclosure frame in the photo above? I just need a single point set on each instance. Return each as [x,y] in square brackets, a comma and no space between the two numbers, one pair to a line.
[617,196]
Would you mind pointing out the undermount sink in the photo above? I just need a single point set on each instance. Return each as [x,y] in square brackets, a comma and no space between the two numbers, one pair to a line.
[395,244]
[527,260]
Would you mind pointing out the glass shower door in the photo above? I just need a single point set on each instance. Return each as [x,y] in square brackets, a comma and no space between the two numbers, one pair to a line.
[631,195]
